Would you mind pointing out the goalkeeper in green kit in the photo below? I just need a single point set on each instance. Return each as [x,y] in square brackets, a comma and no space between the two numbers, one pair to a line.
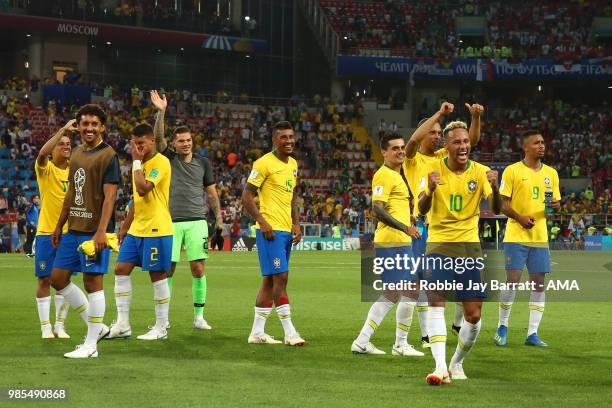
[192,176]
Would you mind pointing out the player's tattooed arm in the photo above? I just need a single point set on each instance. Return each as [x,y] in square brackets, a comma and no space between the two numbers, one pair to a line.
[47,148]
[475,111]
[248,202]
[526,221]
[160,103]
[419,134]
[296,230]
[215,205]
[378,207]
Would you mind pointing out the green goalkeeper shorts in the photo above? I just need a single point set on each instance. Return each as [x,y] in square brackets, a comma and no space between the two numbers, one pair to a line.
[192,234]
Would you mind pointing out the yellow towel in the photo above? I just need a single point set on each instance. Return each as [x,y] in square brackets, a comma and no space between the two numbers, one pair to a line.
[89,249]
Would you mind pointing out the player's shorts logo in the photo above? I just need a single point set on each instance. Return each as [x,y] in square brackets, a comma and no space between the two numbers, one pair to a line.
[277,263]
[547,181]
[42,265]
[79,183]
[472,185]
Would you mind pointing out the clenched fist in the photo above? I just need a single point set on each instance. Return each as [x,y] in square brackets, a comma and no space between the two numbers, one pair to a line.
[492,178]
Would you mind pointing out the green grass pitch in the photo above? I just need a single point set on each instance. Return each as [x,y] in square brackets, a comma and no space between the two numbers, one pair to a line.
[219,368]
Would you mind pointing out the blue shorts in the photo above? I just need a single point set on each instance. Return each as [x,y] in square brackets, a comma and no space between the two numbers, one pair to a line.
[418,247]
[466,275]
[396,273]
[152,254]
[44,256]
[69,258]
[274,254]
[519,255]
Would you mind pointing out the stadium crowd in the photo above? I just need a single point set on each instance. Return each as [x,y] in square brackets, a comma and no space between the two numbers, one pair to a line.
[163,14]
[422,29]
[335,169]
[232,138]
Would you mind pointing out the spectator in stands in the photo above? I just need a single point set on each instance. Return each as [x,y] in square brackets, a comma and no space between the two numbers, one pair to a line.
[31,214]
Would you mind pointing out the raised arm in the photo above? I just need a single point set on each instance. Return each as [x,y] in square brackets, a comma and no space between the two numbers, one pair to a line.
[475,111]
[426,197]
[142,185]
[419,134]
[494,199]
[160,103]
[47,148]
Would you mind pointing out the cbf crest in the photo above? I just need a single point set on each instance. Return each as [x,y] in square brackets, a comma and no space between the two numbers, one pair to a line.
[472,186]
[547,181]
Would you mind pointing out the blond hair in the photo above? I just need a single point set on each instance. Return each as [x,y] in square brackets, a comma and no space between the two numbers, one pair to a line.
[457,124]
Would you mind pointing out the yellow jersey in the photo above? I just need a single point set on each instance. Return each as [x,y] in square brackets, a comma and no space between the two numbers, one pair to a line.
[151,212]
[455,207]
[526,188]
[53,185]
[276,181]
[413,170]
[389,187]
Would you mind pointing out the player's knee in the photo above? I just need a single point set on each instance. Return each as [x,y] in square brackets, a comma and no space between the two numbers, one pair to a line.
[44,283]
[197,269]
[122,270]
[472,316]
[58,282]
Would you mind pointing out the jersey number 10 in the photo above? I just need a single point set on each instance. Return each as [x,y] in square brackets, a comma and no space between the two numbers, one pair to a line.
[456,202]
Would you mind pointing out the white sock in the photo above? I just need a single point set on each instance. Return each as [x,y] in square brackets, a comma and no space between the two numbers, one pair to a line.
[403,319]
[467,337]
[536,310]
[436,326]
[284,314]
[259,322]
[423,310]
[61,309]
[77,299]
[161,296]
[458,320]
[506,299]
[377,313]
[44,308]
[95,318]
[123,298]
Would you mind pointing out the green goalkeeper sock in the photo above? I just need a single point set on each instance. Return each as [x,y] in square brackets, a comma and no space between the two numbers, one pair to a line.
[170,281]
[198,288]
